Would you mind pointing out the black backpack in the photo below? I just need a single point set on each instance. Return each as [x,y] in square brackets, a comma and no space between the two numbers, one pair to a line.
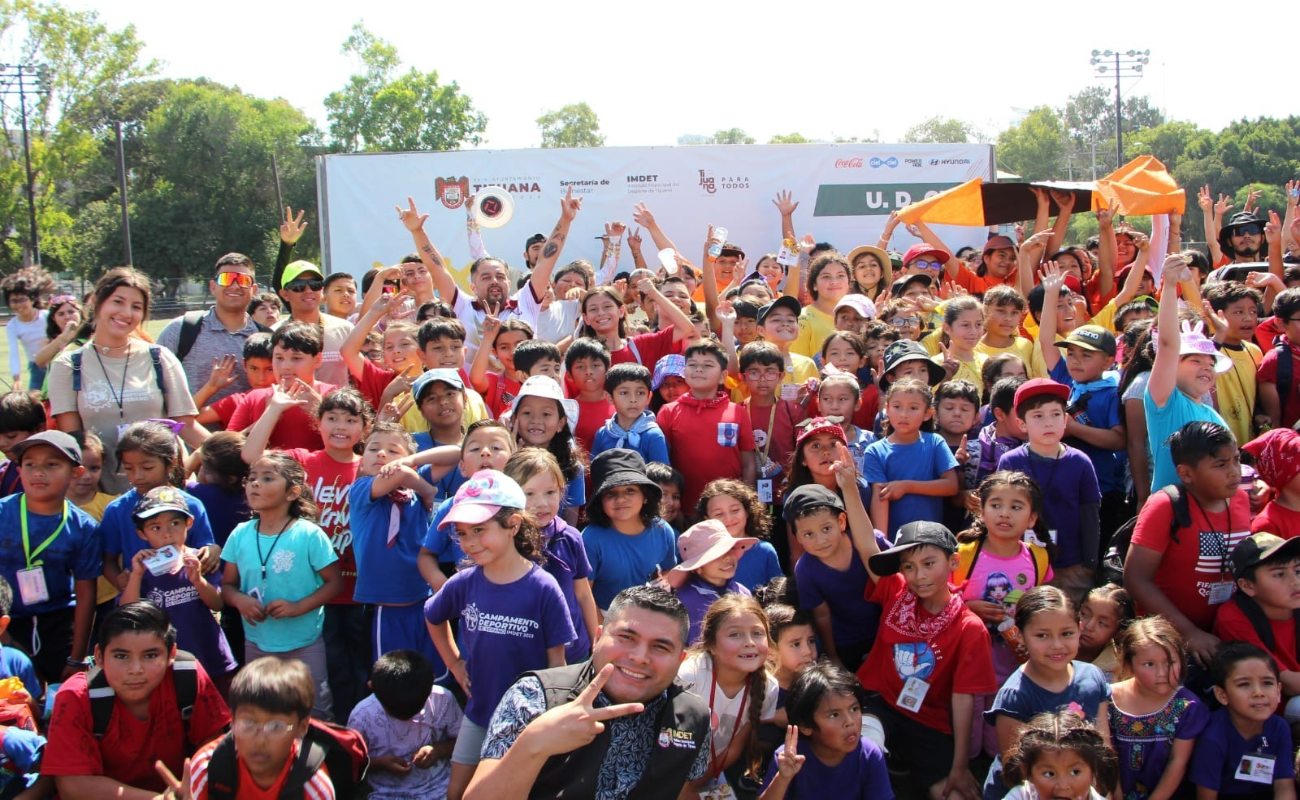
[340,750]
[191,323]
[1112,566]
[1259,621]
[155,355]
[103,698]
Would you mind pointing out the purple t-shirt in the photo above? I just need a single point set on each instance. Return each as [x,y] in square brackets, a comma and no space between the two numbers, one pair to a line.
[1068,483]
[196,629]
[698,594]
[505,629]
[926,459]
[853,620]
[566,560]
[226,510]
[862,775]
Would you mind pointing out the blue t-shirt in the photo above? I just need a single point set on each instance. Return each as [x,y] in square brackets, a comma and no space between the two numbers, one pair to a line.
[446,485]
[292,572]
[14,663]
[505,629]
[862,775]
[926,459]
[566,560]
[75,555]
[117,529]
[20,761]
[757,566]
[386,573]
[225,509]
[444,546]
[1020,699]
[1162,423]
[854,621]
[619,560]
[1105,411]
[575,493]
[1068,483]
[1220,748]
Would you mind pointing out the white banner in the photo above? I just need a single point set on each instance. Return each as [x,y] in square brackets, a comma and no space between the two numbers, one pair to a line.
[844,191]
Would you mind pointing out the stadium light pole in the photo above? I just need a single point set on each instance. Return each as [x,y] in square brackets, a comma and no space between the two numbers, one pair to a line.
[1125,64]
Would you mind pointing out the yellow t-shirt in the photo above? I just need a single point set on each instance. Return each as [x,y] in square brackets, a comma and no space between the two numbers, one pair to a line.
[1105,318]
[802,368]
[104,591]
[475,410]
[968,370]
[1022,347]
[1234,391]
[814,327]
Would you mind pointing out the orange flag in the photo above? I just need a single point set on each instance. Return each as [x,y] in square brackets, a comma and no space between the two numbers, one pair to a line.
[1140,188]
[961,205]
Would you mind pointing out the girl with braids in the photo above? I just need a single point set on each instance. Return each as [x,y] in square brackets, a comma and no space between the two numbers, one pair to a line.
[728,668]
[514,618]
[1060,755]
[281,570]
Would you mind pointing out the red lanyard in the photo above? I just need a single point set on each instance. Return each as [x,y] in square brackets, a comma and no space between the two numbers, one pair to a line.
[713,690]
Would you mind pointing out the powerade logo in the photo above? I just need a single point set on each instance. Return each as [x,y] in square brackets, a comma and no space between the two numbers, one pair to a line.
[877,162]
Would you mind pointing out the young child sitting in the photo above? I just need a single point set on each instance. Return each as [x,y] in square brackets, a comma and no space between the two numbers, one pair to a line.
[410,727]
[1263,610]
[707,570]
[632,426]
[1277,462]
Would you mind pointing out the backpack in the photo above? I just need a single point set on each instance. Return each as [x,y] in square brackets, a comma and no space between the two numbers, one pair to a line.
[341,750]
[1285,374]
[1112,566]
[184,677]
[191,324]
[969,552]
[155,355]
[1255,616]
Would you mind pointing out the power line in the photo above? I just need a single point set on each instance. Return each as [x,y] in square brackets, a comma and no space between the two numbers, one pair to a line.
[24,80]
[1127,64]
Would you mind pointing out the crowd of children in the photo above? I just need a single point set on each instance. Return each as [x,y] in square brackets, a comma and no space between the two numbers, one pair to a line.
[1021,525]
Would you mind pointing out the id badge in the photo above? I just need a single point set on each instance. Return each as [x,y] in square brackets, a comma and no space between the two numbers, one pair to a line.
[1051,534]
[1220,592]
[31,586]
[789,391]
[913,695]
[787,257]
[765,490]
[1255,768]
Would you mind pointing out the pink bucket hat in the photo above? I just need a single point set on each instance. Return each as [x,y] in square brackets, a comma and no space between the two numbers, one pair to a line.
[707,541]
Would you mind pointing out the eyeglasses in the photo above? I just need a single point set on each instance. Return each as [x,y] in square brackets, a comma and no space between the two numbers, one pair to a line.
[755,375]
[240,279]
[314,284]
[922,263]
[1246,230]
[274,729]
[905,322]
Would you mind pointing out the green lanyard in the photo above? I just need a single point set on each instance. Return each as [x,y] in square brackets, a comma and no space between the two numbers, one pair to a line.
[27,547]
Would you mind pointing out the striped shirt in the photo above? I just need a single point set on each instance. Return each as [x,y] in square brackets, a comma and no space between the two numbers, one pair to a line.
[319,787]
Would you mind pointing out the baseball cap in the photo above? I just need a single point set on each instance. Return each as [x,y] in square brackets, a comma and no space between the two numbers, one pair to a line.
[539,386]
[451,377]
[482,496]
[160,499]
[807,497]
[859,303]
[816,425]
[732,249]
[900,284]
[1036,386]
[913,534]
[784,301]
[59,440]
[706,542]
[1258,548]
[1277,456]
[1091,337]
[905,350]
[922,249]
[666,367]
[297,269]
[999,243]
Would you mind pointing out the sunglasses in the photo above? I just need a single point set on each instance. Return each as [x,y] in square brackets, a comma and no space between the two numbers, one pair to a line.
[314,284]
[1246,230]
[239,279]
[62,298]
[922,263]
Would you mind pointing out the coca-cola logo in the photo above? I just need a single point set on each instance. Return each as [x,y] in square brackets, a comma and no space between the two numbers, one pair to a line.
[848,163]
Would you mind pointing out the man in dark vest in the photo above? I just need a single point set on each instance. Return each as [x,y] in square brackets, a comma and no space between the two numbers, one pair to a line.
[616,726]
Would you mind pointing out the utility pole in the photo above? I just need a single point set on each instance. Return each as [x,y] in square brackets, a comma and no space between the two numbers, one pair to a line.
[1127,64]
[121,181]
[22,80]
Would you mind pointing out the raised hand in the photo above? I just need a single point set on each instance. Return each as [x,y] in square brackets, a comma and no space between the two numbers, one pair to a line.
[569,206]
[411,217]
[1251,198]
[788,761]
[845,468]
[726,313]
[394,411]
[1203,198]
[223,372]
[646,287]
[634,241]
[807,243]
[614,230]
[1262,280]
[1273,230]
[891,222]
[1105,217]
[577,723]
[1040,194]
[712,239]
[1175,269]
[950,362]
[284,395]
[1223,206]
[962,455]
[491,325]
[177,789]
[784,203]
[292,227]
[1038,242]
[641,215]
[1292,193]
[1064,200]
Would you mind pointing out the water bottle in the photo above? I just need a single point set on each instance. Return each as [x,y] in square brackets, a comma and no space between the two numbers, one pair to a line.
[715,250]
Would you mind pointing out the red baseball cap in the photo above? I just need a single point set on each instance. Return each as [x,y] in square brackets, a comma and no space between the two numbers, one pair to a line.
[923,249]
[1037,386]
[999,243]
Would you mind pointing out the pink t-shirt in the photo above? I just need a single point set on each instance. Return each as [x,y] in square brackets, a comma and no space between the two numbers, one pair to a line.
[997,579]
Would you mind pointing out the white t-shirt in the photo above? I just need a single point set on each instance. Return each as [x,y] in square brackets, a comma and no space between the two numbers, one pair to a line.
[521,305]
[31,334]
[696,672]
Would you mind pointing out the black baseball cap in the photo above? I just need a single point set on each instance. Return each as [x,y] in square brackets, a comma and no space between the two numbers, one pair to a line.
[784,301]
[913,534]
[1258,548]
[160,499]
[807,497]
[905,350]
[732,249]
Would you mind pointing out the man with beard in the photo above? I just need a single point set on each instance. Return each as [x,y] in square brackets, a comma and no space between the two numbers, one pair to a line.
[490,276]
[1242,240]
[615,726]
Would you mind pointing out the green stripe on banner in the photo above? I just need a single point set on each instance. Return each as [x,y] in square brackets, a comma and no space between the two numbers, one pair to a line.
[870,199]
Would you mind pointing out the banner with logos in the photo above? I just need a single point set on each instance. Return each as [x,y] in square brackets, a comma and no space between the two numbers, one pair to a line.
[845,192]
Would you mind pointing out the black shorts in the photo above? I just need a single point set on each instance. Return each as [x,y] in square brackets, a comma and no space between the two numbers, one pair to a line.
[47,641]
[923,751]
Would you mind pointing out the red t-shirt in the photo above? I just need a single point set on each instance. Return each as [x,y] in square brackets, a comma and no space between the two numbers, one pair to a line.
[1231,625]
[1199,559]
[705,439]
[864,417]
[500,393]
[788,415]
[318,787]
[225,407]
[592,416]
[1268,374]
[649,346]
[1267,332]
[1278,520]
[374,380]
[331,483]
[130,746]
[295,428]
[896,656]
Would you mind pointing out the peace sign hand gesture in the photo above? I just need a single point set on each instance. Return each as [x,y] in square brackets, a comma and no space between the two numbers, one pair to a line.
[788,761]
[577,723]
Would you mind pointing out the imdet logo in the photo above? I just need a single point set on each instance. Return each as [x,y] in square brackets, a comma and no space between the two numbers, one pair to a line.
[877,162]
[452,191]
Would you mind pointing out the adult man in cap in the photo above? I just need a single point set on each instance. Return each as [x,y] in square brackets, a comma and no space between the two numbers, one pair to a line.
[609,727]
[490,276]
[1242,240]
[201,339]
[303,288]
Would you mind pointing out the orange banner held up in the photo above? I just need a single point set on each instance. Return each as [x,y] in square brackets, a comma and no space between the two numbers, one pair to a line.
[1141,187]
[961,205]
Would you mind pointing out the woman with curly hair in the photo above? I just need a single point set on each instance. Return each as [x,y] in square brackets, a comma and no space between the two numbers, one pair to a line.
[736,505]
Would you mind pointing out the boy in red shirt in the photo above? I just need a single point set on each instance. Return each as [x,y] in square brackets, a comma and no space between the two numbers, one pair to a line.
[401,343]
[708,436]
[295,357]
[1277,460]
[137,652]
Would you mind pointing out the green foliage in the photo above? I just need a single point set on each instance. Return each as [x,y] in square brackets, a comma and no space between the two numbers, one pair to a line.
[381,110]
[575,125]
[732,136]
[1035,148]
[788,138]
[942,129]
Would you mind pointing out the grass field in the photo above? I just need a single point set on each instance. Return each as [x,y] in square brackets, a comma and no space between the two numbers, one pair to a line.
[153,326]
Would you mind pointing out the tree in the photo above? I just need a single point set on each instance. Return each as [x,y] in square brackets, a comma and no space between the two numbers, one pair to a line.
[1034,149]
[941,129]
[381,110]
[788,138]
[575,125]
[1089,118]
[732,136]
